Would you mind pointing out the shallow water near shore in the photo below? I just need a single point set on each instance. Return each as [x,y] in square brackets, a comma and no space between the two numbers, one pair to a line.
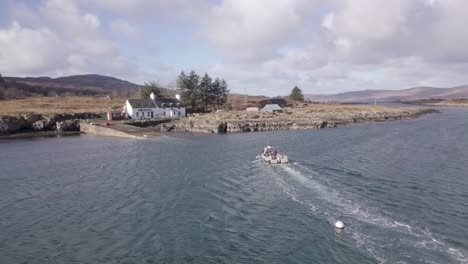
[400,187]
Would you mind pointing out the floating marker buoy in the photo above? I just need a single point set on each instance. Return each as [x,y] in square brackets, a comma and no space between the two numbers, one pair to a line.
[339,225]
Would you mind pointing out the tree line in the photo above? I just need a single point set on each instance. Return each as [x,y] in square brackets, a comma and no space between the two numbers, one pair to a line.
[202,93]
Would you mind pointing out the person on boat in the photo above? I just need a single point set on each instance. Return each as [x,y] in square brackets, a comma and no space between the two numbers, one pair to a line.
[274,153]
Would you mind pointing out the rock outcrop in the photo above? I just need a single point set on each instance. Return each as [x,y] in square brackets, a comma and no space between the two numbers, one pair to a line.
[68,125]
[317,117]
[39,122]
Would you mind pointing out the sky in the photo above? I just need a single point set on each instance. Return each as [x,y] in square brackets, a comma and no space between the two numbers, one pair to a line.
[262,47]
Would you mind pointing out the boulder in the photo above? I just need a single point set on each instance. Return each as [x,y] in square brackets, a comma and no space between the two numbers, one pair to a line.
[222,128]
[246,128]
[169,128]
[69,125]
[38,126]
[32,117]
[8,124]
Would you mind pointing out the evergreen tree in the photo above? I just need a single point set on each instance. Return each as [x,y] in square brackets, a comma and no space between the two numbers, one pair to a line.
[223,93]
[1,79]
[296,94]
[190,88]
[202,94]
[215,93]
[151,87]
[206,90]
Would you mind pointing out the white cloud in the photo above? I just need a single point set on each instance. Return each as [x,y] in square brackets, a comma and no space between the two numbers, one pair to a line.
[253,30]
[264,46]
[28,51]
[378,30]
[91,20]
[367,19]
[122,27]
[58,39]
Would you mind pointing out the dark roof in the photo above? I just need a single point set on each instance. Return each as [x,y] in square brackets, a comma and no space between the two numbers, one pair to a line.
[142,103]
[279,101]
[168,102]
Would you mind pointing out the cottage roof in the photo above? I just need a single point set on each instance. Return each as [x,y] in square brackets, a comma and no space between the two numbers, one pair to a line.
[142,103]
[168,102]
[271,107]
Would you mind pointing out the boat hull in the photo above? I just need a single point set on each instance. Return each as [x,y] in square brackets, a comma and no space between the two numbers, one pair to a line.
[280,159]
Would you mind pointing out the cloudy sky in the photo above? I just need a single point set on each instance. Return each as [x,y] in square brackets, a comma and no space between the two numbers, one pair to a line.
[262,46]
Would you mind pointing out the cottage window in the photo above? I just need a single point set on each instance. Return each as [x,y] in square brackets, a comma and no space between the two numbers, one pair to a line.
[137,114]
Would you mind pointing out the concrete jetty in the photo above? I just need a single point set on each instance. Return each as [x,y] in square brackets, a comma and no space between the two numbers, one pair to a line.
[115,129]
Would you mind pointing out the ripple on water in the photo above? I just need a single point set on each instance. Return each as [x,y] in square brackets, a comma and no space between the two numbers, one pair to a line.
[359,215]
[399,187]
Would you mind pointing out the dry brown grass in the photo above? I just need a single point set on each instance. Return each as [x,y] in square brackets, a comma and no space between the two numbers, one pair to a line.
[72,104]
[311,111]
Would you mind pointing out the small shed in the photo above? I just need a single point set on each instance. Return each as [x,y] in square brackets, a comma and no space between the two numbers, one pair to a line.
[272,108]
[252,109]
[114,116]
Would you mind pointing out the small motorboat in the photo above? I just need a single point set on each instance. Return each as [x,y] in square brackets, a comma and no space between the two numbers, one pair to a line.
[271,156]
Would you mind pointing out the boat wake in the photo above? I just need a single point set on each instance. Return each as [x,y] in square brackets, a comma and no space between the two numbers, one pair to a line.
[358,215]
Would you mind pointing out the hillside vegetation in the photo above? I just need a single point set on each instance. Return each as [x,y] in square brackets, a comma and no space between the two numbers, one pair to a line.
[69,104]
[417,93]
[78,85]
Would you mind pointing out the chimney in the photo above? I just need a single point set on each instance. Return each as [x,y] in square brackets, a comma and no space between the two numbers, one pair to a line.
[177,96]
[152,96]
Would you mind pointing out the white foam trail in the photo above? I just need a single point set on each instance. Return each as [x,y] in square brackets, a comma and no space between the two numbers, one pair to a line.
[365,214]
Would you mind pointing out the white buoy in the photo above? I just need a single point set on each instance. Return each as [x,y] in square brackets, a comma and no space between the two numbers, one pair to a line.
[339,225]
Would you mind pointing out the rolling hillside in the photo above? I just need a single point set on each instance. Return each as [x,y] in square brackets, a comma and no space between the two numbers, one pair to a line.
[417,93]
[77,85]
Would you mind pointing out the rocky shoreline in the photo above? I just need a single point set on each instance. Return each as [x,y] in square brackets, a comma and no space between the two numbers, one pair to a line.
[291,119]
[32,124]
[297,118]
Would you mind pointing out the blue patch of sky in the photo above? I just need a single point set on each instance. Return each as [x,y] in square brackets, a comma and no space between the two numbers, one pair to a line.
[174,44]
[5,18]
[177,45]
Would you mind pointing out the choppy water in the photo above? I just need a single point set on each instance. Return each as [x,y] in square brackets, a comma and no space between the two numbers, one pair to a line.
[400,187]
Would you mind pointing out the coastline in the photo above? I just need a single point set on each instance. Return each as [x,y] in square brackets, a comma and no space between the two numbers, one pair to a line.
[38,134]
[315,116]
[34,124]
[302,118]
[439,102]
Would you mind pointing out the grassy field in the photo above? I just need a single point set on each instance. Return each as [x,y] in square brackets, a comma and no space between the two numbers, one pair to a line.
[72,104]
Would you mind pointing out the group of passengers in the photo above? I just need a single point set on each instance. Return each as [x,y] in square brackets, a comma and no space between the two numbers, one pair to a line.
[271,152]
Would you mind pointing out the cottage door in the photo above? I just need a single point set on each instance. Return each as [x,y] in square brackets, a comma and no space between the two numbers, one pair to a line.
[151,114]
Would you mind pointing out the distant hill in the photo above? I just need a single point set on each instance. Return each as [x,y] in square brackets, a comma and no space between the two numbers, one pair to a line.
[89,84]
[98,83]
[417,93]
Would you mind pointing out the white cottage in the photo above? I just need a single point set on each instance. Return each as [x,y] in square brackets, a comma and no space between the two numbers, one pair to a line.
[154,108]
[170,107]
[141,108]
